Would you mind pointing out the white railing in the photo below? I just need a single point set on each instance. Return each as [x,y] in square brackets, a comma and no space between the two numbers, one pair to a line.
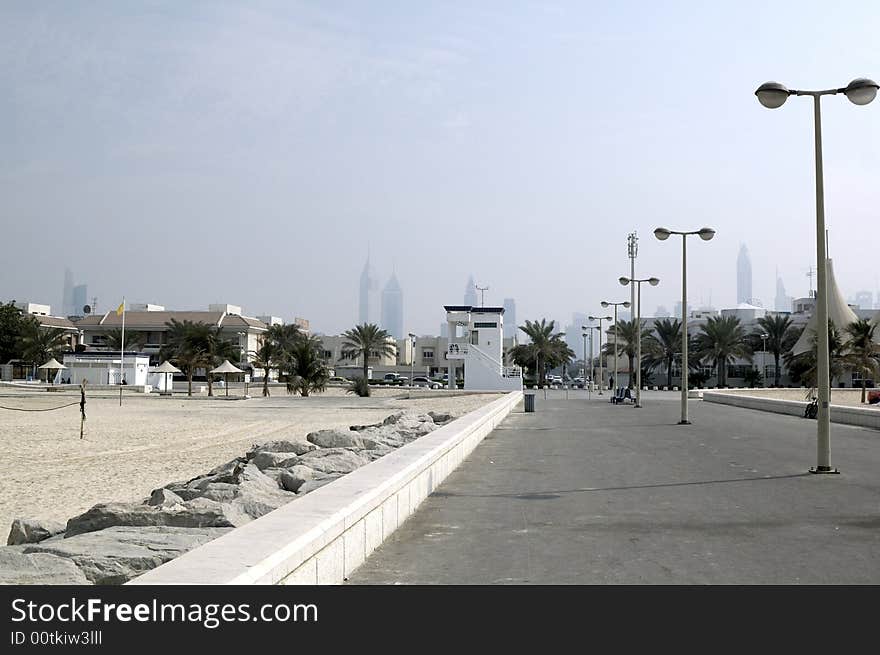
[512,372]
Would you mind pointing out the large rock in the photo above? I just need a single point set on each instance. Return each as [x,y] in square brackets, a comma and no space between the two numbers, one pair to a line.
[31,531]
[334,460]
[281,446]
[163,497]
[18,567]
[191,514]
[335,439]
[317,483]
[117,554]
[275,460]
[294,477]
[440,418]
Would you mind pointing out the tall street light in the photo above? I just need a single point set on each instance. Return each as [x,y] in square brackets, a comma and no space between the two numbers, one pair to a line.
[584,332]
[412,358]
[653,281]
[764,360]
[773,95]
[705,234]
[605,305]
[601,371]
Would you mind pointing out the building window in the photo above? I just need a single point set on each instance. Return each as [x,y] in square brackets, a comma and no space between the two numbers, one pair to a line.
[327,354]
[427,354]
[485,325]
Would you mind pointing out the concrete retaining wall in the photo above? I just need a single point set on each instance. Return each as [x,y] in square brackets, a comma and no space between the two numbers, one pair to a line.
[864,416]
[322,537]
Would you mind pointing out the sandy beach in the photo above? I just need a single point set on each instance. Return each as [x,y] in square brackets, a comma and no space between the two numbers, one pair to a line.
[49,473]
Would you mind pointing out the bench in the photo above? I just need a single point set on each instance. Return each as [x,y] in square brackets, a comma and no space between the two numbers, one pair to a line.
[622,395]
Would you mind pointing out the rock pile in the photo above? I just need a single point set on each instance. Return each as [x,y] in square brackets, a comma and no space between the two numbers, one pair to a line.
[114,542]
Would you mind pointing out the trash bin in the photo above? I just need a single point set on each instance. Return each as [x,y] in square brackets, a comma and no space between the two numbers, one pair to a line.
[529,401]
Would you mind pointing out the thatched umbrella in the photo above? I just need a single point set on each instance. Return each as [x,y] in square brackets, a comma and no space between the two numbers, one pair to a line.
[52,365]
[226,368]
[166,368]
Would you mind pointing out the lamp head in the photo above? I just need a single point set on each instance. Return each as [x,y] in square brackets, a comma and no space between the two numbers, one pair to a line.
[608,318]
[592,318]
[662,233]
[624,281]
[604,303]
[706,233]
[861,91]
[627,304]
[653,281]
[772,94]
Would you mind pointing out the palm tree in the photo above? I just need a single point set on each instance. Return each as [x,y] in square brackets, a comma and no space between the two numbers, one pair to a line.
[803,367]
[186,348]
[627,344]
[776,327]
[133,339]
[864,353]
[365,340]
[268,356]
[307,372]
[720,341]
[544,346]
[38,344]
[663,345]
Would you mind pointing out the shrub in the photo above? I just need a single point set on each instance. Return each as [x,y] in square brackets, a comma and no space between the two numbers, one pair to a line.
[360,386]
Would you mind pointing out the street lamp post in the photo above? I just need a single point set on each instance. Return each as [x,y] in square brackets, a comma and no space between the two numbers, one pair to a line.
[412,359]
[584,332]
[601,370]
[605,304]
[653,281]
[764,360]
[705,234]
[773,95]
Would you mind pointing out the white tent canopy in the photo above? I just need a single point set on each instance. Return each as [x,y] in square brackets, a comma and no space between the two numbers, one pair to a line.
[226,367]
[166,367]
[52,364]
[839,313]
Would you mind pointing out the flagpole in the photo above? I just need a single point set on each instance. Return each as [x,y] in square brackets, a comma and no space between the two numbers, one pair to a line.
[121,353]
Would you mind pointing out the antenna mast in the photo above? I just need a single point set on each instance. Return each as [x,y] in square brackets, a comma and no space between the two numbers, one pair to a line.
[482,291]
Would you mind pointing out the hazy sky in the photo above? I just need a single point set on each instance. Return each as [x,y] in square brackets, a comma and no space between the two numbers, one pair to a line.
[184,153]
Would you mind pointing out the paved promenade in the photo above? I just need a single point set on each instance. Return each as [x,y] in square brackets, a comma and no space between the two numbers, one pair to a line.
[584,492]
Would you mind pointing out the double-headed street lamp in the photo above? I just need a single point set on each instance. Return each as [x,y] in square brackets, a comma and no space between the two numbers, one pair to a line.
[605,304]
[601,371]
[653,281]
[705,234]
[773,95]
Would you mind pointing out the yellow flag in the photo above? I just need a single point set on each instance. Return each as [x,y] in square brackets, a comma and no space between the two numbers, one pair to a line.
[121,308]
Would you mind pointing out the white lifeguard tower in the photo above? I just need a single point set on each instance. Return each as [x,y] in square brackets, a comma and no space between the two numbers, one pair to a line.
[478,345]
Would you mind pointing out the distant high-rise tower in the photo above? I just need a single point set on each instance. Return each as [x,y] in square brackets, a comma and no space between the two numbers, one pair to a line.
[392,308]
[67,294]
[470,292]
[367,309]
[782,302]
[80,299]
[864,299]
[743,276]
[510,326]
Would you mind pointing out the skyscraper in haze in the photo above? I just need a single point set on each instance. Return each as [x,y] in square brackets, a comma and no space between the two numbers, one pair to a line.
[80,299]
[470,292]
[392,308]
[743,276]
[864,299]
[510,327]
[783,300]
[67,294]
[367,309]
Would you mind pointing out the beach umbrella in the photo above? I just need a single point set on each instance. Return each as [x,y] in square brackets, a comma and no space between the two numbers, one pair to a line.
[166,368]
[52,364]
[226,368]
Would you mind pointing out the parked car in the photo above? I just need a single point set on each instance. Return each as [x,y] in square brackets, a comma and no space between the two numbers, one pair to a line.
[425,382]
[337,380]
[394,378]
